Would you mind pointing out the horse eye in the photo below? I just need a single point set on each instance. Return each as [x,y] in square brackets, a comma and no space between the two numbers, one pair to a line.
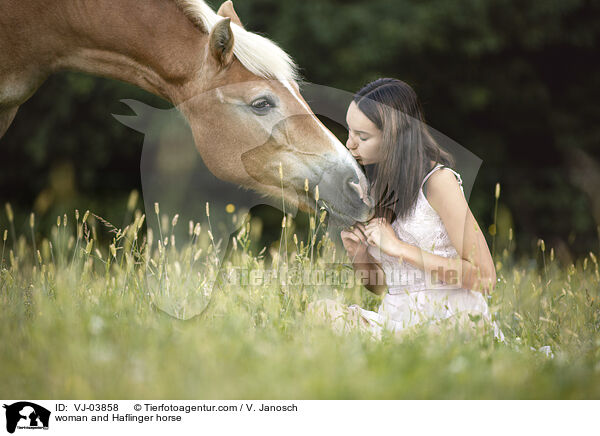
[262,105]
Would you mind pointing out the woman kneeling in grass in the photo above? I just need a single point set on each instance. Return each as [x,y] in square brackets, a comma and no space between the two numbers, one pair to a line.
[424,245]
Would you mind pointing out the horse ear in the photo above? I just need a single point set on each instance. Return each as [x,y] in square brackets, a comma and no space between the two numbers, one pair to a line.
[221,42]
[226,10]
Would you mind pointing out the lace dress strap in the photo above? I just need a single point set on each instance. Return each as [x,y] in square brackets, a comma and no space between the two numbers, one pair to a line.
[440,166]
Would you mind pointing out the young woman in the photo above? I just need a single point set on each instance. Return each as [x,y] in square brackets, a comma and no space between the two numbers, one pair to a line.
[424,249]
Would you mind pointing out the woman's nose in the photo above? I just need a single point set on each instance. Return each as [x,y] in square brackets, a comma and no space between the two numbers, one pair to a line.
[350,144]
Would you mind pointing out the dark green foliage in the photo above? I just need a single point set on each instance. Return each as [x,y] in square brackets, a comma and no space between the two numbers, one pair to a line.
[515,82]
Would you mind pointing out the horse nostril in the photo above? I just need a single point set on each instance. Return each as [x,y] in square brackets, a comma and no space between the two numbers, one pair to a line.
[356,188]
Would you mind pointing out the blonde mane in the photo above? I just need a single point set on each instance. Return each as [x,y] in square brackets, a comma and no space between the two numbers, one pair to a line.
[259,55]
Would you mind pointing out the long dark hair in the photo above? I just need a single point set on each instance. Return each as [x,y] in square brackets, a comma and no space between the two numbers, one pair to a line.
[407,147]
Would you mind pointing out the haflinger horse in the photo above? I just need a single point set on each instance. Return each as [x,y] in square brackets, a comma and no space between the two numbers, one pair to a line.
[238,91]
[180,50]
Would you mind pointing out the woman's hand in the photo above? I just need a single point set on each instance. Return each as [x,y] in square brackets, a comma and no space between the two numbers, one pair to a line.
[380,234]
[355,243]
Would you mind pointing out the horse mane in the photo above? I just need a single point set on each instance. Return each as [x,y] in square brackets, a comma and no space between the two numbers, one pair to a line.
[259,55]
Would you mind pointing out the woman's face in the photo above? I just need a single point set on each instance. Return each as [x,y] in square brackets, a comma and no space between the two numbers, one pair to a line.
[364,138]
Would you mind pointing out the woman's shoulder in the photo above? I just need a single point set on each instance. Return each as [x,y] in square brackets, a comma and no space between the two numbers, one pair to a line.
[442,176]
[444,185]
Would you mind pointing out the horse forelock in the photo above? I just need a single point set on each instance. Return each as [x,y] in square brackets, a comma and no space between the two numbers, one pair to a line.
[257,54]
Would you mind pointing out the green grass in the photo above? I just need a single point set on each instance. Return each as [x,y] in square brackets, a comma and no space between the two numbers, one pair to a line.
[78,322]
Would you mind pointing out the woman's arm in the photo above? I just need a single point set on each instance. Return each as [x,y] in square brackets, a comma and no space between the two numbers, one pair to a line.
[476,268]
[367,271]
[370,275]
[451,271]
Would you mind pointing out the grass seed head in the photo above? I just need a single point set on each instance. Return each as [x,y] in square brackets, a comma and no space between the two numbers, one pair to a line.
[132,200]
[9,212]
[322,217]
[88,247]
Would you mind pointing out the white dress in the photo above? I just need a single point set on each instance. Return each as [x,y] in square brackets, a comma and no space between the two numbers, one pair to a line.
[411,298]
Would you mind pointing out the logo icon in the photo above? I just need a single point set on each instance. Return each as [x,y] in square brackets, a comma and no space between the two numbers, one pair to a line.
[26,415]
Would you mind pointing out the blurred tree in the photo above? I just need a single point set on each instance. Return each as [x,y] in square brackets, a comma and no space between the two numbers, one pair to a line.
[516,82]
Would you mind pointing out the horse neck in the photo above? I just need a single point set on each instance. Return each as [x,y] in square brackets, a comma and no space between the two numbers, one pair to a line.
[153,46]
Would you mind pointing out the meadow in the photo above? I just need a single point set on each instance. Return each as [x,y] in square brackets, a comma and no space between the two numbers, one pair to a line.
[80,320]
